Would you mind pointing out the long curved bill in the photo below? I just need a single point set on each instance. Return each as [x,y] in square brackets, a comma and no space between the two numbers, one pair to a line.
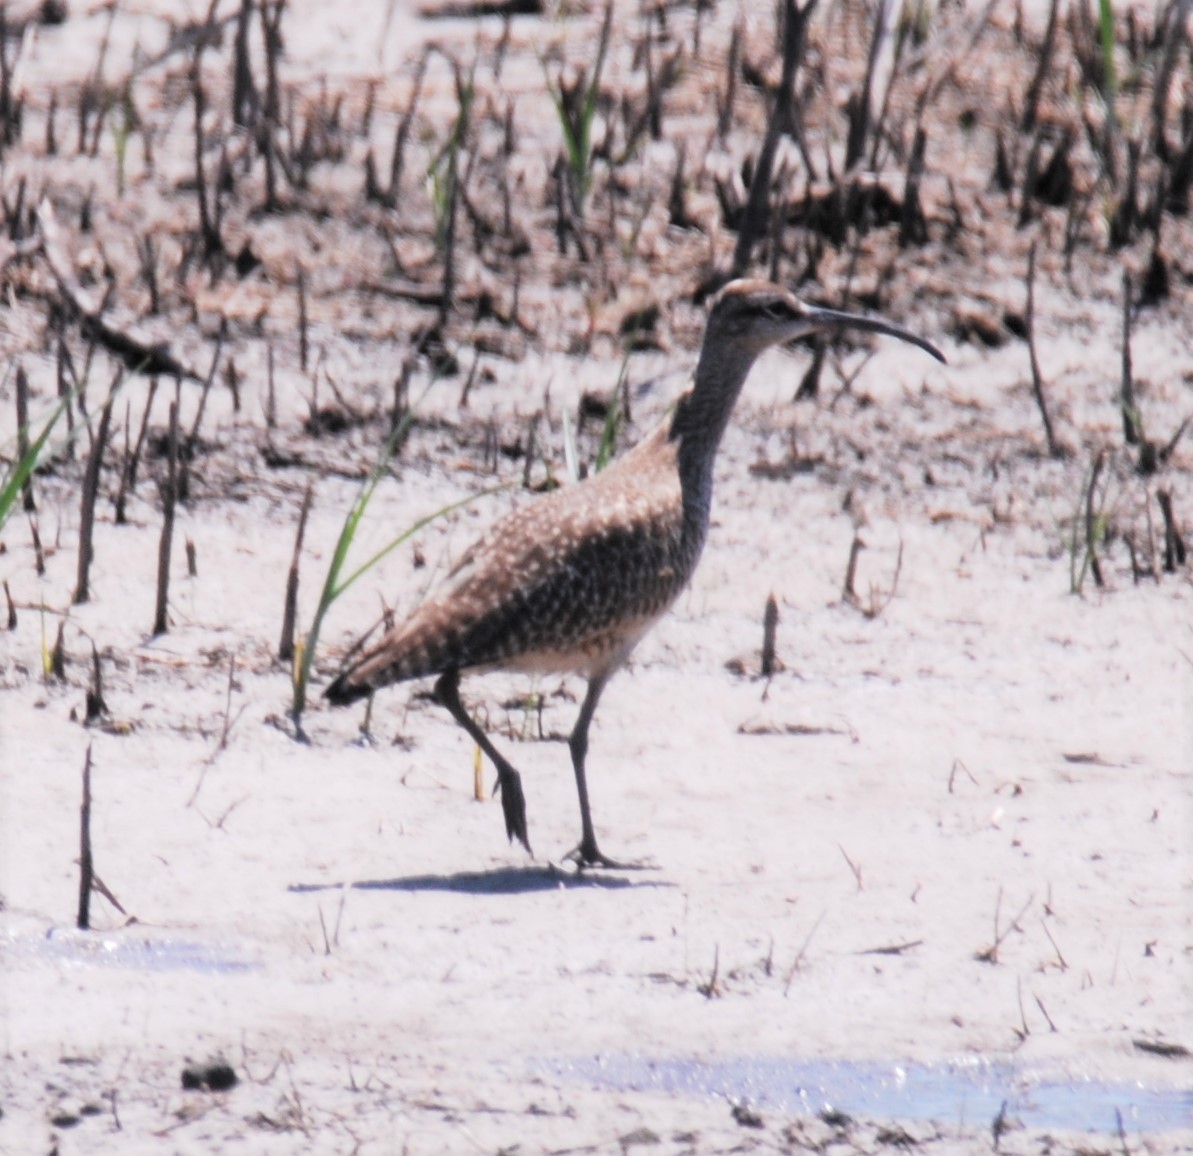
[828,320]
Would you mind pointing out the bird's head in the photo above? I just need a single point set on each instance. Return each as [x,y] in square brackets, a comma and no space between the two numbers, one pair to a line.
[751,316]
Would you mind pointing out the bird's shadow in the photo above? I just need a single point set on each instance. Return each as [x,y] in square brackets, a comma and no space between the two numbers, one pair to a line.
[502,881]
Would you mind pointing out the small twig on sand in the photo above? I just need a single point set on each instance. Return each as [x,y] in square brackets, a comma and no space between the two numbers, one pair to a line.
[1059,957]
[335,934]
[891,948]
[999,1125]
[854,867]
[849,593]
[229,723]
[958,765]
[880,600]
[1122,1135]
[712,989]
[228,719]
[1044,1012]
[799,955]
[990,954]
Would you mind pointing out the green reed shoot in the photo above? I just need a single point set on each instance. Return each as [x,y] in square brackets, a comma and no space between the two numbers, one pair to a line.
[335,583]
[19,472]
[576,110]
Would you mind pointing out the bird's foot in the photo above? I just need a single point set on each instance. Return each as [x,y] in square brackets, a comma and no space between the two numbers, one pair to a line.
[513,806]
[587,854]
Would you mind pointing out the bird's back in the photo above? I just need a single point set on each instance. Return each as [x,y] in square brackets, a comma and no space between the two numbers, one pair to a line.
[568,582]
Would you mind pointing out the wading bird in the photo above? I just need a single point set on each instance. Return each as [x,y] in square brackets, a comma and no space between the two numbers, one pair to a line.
[572,581]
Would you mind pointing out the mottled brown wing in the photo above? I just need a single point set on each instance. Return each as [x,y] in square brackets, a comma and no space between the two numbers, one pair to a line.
[570,581]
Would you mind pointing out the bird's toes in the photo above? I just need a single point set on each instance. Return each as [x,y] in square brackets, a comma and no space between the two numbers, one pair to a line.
[585,855]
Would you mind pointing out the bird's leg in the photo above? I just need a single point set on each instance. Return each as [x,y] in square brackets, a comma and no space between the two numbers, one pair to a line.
[513,802]
[587,853]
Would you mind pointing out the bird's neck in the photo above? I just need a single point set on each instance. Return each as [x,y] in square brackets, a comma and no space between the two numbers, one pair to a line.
[701,418]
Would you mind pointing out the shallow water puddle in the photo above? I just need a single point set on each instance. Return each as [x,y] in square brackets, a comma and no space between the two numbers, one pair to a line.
[136,952]
[970,1093]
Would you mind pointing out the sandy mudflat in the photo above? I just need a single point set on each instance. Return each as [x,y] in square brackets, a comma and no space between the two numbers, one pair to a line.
[952,836]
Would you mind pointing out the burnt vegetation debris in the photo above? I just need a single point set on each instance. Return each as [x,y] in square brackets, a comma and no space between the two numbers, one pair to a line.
[214,196]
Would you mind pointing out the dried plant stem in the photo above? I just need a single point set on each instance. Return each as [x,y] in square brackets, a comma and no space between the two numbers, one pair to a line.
[165,545]
[87,307]
[271,26]
[271,400]
[90,490]
[228,720]
[86,868]
[192,440]
[783,119]
[849,592]
[128,476]
[854,867]
[1043,69]
[57,663]
[465,93]
[22,387]
[1175,551]
[303,340]
[403,134]
[803,951]
[1037,383]
[770,622]
[1132,420]
[96,706]
[208,226]
[990,954]
[880,69]
[290,610]
[1093,521]
[245,99]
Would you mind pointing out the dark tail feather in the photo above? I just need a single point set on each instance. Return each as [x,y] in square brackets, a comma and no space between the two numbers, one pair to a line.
[396,657]
[344,690]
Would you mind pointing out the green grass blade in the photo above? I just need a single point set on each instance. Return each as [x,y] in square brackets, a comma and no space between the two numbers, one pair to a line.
[409,533]
[1106,30]
[328,594]
[577,136]
[21,471]
[594,91]
[613,421]
[571,145]
[333,585]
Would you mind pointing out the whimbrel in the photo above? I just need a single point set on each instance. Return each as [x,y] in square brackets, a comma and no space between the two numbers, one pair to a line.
[572,581]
